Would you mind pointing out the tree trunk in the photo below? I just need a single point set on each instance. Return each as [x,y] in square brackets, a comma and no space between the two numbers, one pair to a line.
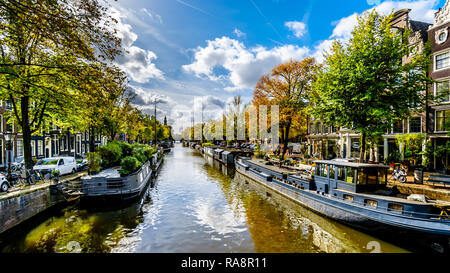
[26,133]
[286,140]
[91,140]
[362,155]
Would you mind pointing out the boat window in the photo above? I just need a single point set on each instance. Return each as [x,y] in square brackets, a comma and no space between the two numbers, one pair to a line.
[350,175]
[349,197]
[371,176]
[395,207]
[362,177]
[382,176]
[317,169]
[332,171]
[322,170]
[341,173]
[371,203]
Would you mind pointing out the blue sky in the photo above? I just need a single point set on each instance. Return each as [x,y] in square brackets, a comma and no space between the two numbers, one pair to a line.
[192,52]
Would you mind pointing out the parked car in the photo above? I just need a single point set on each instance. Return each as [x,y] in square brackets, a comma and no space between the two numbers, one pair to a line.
[81,164]
[4,184]
[64,165]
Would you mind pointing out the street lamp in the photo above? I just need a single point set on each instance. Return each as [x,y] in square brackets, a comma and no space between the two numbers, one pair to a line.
[8,139]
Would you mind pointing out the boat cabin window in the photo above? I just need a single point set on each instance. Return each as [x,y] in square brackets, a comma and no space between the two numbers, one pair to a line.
[322,170]
[370,203]
[332,171]
[395,207]
[341,173]
[382,176]
[362,177]
[350,178]
[372,176]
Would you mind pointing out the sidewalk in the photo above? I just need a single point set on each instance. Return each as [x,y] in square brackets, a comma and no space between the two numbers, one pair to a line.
[14,192]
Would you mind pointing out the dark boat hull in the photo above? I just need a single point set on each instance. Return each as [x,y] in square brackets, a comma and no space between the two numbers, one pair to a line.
[130,196]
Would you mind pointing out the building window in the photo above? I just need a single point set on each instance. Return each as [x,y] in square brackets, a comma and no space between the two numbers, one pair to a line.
[397,127]
[442,120]
[415,125]
[442,92]
[40,147]
[33,148]
[19,147]
[355,147]
[442,61]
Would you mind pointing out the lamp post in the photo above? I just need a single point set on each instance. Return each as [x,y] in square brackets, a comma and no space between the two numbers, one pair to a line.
[8,140]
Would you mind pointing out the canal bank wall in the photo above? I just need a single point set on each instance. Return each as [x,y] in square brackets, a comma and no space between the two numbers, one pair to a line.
[19,206]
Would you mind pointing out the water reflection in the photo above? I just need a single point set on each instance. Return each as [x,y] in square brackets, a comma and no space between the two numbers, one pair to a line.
[278,225]
[195,205]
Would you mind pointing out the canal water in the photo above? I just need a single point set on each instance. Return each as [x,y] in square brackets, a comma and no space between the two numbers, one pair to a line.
[195,205]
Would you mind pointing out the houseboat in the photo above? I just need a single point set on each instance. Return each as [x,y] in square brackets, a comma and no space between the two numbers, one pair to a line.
[353,193]
[109,186]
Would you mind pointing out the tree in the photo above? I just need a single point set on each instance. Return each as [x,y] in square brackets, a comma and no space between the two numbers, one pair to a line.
[43,44]
[289,87]
[365,85]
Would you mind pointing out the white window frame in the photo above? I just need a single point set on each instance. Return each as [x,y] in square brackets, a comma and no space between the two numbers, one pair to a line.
[435,121]
[435,88]
[33,147]
[41,149]
[19,140]
[435,62]
[409,131]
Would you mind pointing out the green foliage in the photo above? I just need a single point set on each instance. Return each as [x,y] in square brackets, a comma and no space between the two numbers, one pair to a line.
[110,154]
[393,157]
[428,155]
[259,154]
[125,147]
[412,144]
[148,152]
[138,153]
[442,152]
[94,162]
[364,84]
[129,165]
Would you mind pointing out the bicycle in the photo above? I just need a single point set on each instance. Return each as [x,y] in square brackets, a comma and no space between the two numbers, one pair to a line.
[400,175]
[31,178]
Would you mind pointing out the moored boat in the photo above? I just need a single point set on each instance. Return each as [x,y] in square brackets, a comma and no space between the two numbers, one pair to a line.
[109,185]
[353,193]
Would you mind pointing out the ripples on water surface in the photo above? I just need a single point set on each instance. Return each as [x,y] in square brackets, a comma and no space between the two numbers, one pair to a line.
[195,205]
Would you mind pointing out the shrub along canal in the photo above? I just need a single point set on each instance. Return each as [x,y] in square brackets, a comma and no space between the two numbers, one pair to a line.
[194,205]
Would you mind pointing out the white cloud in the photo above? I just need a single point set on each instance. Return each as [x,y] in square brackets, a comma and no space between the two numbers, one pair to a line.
[243,66]
[421,10]
[298,28]
[239,33]
[153,16]
[135,61]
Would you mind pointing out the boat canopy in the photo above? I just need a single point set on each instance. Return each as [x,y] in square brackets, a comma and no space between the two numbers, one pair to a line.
[350,164]
[357,177]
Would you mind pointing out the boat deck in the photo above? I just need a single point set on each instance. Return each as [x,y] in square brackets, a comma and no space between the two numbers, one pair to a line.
[387,198]
[108,173]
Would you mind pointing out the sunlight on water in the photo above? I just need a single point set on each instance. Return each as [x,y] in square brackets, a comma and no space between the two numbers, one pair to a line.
[195,205]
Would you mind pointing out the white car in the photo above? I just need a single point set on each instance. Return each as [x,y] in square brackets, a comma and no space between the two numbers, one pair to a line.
[4,185]
[64,165]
